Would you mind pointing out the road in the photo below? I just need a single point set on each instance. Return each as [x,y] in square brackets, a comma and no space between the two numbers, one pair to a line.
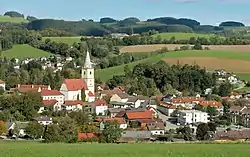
[169,125]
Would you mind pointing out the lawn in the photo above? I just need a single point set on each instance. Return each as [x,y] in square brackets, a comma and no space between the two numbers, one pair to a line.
[31,149]
[105,74]
[67,40]
[12,19]
[243,76]
[182,36]
[24,51]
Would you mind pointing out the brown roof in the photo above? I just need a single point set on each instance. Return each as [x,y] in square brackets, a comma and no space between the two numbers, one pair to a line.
[46,92]
[49,102]
[187,100]
[210,103]
[100,102]
[139,115]
[31,88]
[236,108]
[72,102]
[246,111]
[119,120]
[75,84]
[156,125]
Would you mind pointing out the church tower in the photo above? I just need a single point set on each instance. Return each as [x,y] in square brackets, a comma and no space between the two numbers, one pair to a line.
[88,74]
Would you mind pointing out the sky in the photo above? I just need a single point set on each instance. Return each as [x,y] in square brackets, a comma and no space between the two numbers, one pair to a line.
[205,11]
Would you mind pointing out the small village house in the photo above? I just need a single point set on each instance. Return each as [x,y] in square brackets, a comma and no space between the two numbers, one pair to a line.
[216,104]
[100,107]
[121,121]
[52,95]
[48,105]
[72,105]
[44,120]
[186,117]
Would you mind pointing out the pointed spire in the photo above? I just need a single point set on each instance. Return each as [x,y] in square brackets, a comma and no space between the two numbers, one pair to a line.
[87,64]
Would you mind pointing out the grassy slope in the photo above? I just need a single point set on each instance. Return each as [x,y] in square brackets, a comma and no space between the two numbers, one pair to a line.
[24,51]
[105,74]
[12,19]
[67,40]
[244,76]
[179,36]
[31,149]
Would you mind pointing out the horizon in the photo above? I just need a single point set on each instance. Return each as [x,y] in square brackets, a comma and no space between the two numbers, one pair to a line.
[207,13]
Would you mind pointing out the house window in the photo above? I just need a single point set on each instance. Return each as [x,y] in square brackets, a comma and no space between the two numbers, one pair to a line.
[90,72]
[84,72]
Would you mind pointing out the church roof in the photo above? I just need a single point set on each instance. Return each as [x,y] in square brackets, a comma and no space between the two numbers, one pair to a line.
[75,84]
[87,64]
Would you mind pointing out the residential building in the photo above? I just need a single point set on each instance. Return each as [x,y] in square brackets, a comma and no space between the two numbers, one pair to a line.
[137,115]
[121,121]
[156,127]
[32,88]
[2,84]
[76,89]
[44,120]
[128,136]
[232,79]
[166,108]
[21,128]
[52,95]
[100,107]
[186,102]
[192,116]
[72,105]
[216,104]
[110,93]
[233,135]
[112,112]
[48,105]
[119,97]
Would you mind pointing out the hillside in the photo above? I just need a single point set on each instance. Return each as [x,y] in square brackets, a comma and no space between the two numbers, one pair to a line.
[12,19]
[24,51]
[182,36]
[236,62]
[67,40]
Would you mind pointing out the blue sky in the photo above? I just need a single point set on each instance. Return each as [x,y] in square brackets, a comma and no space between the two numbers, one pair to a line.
[205,11]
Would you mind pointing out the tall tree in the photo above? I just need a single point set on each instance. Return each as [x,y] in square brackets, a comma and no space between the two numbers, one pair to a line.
[112,131]
[34,130]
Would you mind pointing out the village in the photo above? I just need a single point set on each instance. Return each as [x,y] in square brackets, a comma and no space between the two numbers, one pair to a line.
[140,117]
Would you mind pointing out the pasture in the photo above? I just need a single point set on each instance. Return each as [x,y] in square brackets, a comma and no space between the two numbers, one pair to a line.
[12,19]
[150,48]
[24,51]
[182,36]
[32,149]
[237,62]
[67,40]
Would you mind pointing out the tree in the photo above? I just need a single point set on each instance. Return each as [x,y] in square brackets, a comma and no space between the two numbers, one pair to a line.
[34,130]
[3,128]
[112,131]
[199,107]
[212,111]
[186,131]
[197,46]
[52,134]
[1,91]
[13,14]
[225,89]
[201,132]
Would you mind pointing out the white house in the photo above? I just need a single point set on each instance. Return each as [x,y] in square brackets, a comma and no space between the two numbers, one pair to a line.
[100,107]
[2,84]
[186,102]
[232,79]
[69,59]
[192,116]
[72,105]
[44,120]
[166,108]
[120,121]
[156,128]
[50,104]
[74,88]
[52,95]
[119,97]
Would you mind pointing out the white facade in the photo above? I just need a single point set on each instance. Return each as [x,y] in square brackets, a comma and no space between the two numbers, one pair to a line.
[2,85]
[73,107]
[157,132]
[58,98]
[88,73]
[192,116]
[101,110]
[232,79]
[123,126]
[116,98]
[45,122]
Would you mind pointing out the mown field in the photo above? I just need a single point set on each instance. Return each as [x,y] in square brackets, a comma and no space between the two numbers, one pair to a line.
[12,19]
[30,149]
[232,61]
[24,51]
[180,36]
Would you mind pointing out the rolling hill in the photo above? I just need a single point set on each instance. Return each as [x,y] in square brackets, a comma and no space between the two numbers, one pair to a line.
[24,51]
[12,19]
[182,36]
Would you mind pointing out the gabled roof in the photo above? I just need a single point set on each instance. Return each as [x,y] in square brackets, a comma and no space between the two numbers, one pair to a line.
[31,88]
[49,102]
[111,92]
[187,100]
[90,94]
[139,115]
[100,102]
[75,84]
[123,95]
[119,120]
[132,99]
[46,92]
[72,102]
[83,136]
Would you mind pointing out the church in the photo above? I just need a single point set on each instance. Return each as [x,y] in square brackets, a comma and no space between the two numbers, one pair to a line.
[83,88]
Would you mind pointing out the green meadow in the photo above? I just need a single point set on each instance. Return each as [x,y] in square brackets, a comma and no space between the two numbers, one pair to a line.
[105,74]
[24,51]
[182,36]
[31,149]
[12,19]
[67,40]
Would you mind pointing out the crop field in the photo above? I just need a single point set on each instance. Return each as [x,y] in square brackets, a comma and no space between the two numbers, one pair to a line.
[31,149]
[12,19]
[24,51]
[150,48]
[237,62]
[180,36]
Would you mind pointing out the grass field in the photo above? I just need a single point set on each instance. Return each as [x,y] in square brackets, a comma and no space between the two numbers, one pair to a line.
[243,76]
[237,62]
[180,36]
[24,51]
[67,40]
[30,149]
[12,19]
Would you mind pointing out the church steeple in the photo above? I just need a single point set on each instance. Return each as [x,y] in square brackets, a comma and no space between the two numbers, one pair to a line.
[87,64]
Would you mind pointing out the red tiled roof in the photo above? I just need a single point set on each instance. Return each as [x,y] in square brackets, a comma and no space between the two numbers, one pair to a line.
[100,102]
[90,94]
[31,88]
[49,102]
[46,92]
[140,115]
[187,100]
[119,120]
[72,102]
[210,103]
[75,84]
[167,105]
[83,136]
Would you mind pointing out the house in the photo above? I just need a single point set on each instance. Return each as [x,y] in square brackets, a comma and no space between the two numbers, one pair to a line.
[186,102]
[44,120]
[2,84]
[153,110]
[112,112]
[156,127]
[32,88]
[168,97]
[48,105]
[233,135]
[110,93]
[119,97]
[20,126]
[68,59]
[100,107]
[76,89]
[216,104]
[236,112]
[133,136]
[234,95]
[137,115]
[121,121]
[72,105]
[232,79]
[52,95]
[166,108]
[186,117]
